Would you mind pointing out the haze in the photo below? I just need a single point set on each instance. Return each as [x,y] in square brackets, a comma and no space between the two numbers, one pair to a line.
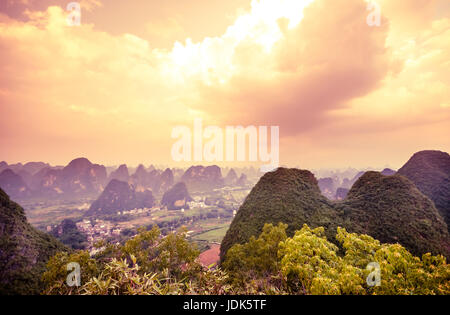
[342,92]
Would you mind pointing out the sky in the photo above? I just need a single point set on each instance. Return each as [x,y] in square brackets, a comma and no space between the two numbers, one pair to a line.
[343,93]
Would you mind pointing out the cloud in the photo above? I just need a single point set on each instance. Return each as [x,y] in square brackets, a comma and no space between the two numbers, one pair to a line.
[90,5]
[315,68]
[409,16]
[84,86]
[290,76]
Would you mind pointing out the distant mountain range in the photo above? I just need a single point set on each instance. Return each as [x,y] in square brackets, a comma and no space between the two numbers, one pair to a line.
[231,178]
[30,167]
[119,196]
[165,181]
[336,187]
[121,173]
[201,178]
[14,184]
[177,197]
[81,178]
[242,181]
[328,187]
[388,208]
[174,196]
[388,172]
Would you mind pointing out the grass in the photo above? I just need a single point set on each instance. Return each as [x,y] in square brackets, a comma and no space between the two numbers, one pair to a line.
[214,235]
[52,215]
[209,230]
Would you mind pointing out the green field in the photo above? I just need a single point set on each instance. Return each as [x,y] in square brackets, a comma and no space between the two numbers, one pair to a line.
[208,230]
[52,215]
[214,235]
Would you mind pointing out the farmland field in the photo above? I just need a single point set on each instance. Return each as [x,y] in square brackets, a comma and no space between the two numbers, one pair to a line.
[214,235]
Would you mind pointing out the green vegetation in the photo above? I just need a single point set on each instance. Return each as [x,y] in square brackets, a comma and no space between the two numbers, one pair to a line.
[52,212]
[391,209]
[385,237]
[388,208]
[290,196]
[257,259]
[306,263]
[214,235]
[68,233]
[55,275]
[430,172]
[24,250]
[313,265]
[145,264]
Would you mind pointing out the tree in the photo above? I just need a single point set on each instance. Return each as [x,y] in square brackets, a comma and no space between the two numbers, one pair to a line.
[154,254]
[311,265]
[257,259]
[56,273]
[306,263]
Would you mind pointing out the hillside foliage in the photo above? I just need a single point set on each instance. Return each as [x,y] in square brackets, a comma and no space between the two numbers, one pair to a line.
[308,263]
[24,250]
[145,264]
[388,208]
[430,172]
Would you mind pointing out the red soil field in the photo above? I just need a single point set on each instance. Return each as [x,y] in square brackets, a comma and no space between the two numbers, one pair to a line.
[210,256]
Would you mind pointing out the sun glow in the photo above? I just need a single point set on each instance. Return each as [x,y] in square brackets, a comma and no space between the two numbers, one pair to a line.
[212,59]
[335,85]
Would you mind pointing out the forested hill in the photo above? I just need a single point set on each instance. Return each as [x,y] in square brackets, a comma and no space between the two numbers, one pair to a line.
[389,208]
[24,250]
[430,172]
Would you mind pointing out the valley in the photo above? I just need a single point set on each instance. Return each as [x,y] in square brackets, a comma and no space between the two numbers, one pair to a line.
[227,221]
[205,214]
